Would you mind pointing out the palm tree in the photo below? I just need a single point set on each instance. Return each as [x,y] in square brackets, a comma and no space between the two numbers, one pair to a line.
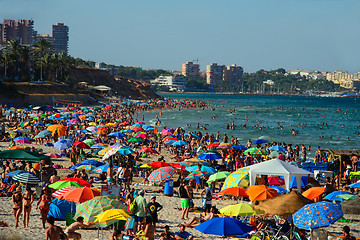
[42,47]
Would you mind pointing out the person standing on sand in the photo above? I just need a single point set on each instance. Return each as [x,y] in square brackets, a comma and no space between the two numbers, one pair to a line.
[110,173]
[17,201]
[28,199]
[141,210]
[185,202]
[206,195]
[153,208]
[54,232]
[44,204]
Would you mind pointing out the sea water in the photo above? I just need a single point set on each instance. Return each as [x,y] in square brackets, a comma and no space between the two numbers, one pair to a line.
[325,122]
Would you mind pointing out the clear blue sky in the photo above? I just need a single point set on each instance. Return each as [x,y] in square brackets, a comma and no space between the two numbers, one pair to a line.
[255,34]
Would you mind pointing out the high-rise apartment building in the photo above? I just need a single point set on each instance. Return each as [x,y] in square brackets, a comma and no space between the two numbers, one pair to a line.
[191,70]
[22,31]
[233,75]
[60,38]
[214,74]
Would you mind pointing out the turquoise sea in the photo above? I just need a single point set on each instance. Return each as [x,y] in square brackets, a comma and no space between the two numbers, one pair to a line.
[332,119]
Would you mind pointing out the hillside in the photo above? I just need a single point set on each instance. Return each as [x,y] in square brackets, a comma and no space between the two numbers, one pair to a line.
[124,87]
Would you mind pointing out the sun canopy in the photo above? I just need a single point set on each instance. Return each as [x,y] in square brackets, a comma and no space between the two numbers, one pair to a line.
[278,168]
[19,154]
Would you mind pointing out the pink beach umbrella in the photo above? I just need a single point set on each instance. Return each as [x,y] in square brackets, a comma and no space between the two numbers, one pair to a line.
[53,155]
[167,131]
[61,191]
[22,140]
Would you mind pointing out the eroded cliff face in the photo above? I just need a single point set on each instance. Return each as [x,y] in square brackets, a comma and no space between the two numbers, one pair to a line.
[135,89]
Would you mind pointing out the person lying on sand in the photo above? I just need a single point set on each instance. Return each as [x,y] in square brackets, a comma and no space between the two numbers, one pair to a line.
[194,221]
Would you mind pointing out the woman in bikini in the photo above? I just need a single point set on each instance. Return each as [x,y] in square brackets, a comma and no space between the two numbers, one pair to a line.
[17,205]
[44,204]
[28,199]
[149,231]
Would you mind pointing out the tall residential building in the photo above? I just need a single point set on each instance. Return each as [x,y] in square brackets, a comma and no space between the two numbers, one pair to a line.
[22,31]
[345,79]
[233,75]
[47,37]
[191,70]
[214,74]
[60,38]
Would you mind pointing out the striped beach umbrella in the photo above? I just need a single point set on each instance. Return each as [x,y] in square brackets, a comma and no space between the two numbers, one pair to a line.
[27,177]
[80,181]
[225,145]
[236,179]
[254,151]
[89,210]
[99,145]
[103,168]
[61,191]
[80,195]
[161,174]
[196,174]
[194,161]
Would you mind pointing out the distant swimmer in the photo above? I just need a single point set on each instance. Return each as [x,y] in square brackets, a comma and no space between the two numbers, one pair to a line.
[348,139]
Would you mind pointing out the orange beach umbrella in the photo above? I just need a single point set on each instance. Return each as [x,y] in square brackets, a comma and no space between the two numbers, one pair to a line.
[57,128]
[313,192]
[261,192]
[234,191]
[81,194]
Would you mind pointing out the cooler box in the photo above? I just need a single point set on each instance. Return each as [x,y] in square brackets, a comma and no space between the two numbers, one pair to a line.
[169,187]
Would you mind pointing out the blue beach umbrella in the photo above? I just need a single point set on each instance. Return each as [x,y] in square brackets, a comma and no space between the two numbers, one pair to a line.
[210,170]
[355,185]
[333,196]
[259,141]
[117,134]
[239,147]
[103,168]
[59,208]
[278,148]
[86,162]
[209,156]
[43,134]
[223,226]
[280,190]
[14,173]
[179,143]
[25,138]
[317,215]
[125,151]
[194,135]
[63,144]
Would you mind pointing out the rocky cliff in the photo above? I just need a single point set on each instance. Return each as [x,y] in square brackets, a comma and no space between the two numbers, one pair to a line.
[125,87]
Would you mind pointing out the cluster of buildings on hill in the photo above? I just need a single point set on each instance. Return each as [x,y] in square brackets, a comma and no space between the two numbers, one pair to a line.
[344,78]
[23,31]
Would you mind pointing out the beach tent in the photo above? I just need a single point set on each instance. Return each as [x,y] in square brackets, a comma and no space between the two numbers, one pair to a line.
[19,154]
[278,168]
[59,208]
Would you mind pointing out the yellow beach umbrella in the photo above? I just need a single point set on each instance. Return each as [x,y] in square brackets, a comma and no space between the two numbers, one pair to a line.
[237,179]
[145,166]
[241,209]
[92,124]
[111,214]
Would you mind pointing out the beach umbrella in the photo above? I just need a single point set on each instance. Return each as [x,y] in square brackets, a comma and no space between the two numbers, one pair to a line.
[125,151]
[194,161]
[280,190]
[92,128]
[313,192]
[53,155]
[89,142]
[276,181]
[61,184]
[347,196]
[112,214]
[86,162]
[179,143]
[20,138]
[225,145]
[80,181]
[80,145]
[19,154]
[25,141]
[16,147]
[137,129]
[218,176]
[61,191]
[117,134]
[57,128]
[259,141]
[209,156]
[355,185]
[99,145]
[148,128]
[124,124]
[334,196]
[80,194]
[274,154]
[254,151]
[43,134]
[89,210]
[241,209]
[59,209]
[177,166]
[127,131]
[212,145]
[237,179]
[148,150]
[277,148]
[142,135]
[14,173]
[261,192]
[317,215]
[234,191]
[158,164]
[144,166]
[63,144]
[135,139]
[195,168]
[223,226]
[239,147]
[110,152]
[167,131]
[27,177]
[86,167]
[103,168]
[196,174]
[161,174]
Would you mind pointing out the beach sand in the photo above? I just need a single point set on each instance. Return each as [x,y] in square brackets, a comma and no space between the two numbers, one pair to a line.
[168,216]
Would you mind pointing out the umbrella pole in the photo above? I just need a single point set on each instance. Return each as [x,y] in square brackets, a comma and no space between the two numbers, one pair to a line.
[98,232]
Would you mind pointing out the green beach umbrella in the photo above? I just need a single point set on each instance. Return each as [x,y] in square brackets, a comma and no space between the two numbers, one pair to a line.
[347,196]
[218,176]
[254,151]
[61,184]
[135,139]
[89,210]
[89,142]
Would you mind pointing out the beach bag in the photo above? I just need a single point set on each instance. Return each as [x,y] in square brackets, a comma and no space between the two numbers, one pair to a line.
[132,207]
[208,195]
